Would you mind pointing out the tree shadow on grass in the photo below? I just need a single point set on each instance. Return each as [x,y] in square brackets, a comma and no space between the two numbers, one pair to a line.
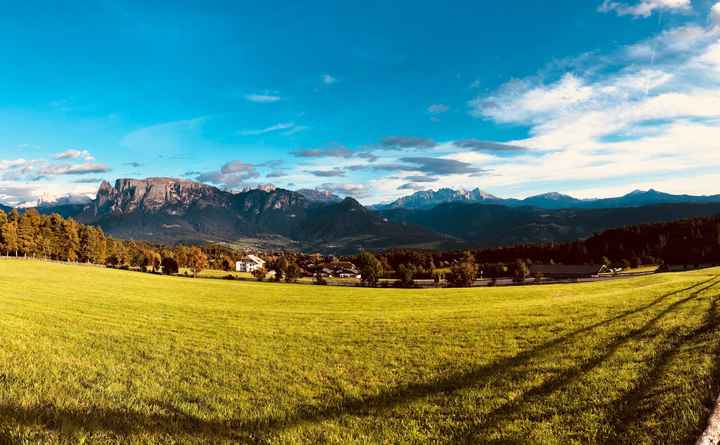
[632,408]
[172,421]
[565,378]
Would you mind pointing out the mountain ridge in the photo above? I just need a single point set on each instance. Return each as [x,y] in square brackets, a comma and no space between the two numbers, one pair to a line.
[427,199]
[170,211]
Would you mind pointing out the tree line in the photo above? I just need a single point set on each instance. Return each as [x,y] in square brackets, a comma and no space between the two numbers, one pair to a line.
[32,235]
[690,242]
[686,242]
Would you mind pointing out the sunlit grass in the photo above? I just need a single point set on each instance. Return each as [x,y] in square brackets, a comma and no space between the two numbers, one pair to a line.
[105,356]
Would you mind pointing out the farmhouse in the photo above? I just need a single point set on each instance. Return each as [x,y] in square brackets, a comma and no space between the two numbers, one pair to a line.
[251,263]
[567,270]
[347,272]
[339,271]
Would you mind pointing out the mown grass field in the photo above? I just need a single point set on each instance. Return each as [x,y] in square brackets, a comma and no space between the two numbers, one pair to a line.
[91,355]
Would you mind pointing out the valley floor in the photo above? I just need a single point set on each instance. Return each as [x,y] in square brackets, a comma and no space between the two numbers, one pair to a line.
[92,355]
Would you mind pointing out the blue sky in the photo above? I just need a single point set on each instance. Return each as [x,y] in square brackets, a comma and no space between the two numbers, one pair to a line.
[373,100]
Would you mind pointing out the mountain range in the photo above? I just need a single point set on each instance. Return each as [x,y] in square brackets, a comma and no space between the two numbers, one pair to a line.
[430,198]
[170,210]
[167,210]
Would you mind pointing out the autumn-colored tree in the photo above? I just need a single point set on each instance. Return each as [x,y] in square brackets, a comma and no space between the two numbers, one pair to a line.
[293,272]
[92,245]
[464,272]
[280,267]
[3,221]
[27,232]
[227,264]
[155,260]
[197,261]
[182,256]
[9,237]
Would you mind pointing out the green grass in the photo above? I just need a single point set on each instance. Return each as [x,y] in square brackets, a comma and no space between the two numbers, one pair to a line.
[92,355]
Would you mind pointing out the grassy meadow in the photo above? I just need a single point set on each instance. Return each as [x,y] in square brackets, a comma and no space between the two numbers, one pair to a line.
[92,355]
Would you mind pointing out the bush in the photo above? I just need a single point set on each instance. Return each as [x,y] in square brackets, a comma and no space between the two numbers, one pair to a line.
[521,271]
[227,264]
[259,274]
[169,266]
[463,273]
[292,272]
[406,274]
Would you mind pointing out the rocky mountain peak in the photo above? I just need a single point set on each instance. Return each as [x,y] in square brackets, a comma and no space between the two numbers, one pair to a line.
[155,194]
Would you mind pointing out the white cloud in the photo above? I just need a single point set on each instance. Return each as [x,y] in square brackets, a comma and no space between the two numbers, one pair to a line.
[357,191]
[715,14]
[669,43]
[263,98]
[438,109]
[73,169]
[520,100]
[75,154]
[650,117]
[645,7]
[327,79]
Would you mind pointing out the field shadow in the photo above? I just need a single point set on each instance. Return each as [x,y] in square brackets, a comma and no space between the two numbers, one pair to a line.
[632,408]
[171,421]
[567,377]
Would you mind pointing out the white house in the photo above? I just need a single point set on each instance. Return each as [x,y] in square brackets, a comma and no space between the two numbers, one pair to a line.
[250,263]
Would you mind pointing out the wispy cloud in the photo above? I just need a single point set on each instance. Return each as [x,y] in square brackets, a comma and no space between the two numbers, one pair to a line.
[327,79]
[168,137]
[645,7]
[715,14]
[440,166]
[262,98]
[438,109]
[406,142]
[74,154]
[289,126]
[355,190]
[74,169]
[489,146]
[335,172]
[332,152]
[652,113]
[277,174]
